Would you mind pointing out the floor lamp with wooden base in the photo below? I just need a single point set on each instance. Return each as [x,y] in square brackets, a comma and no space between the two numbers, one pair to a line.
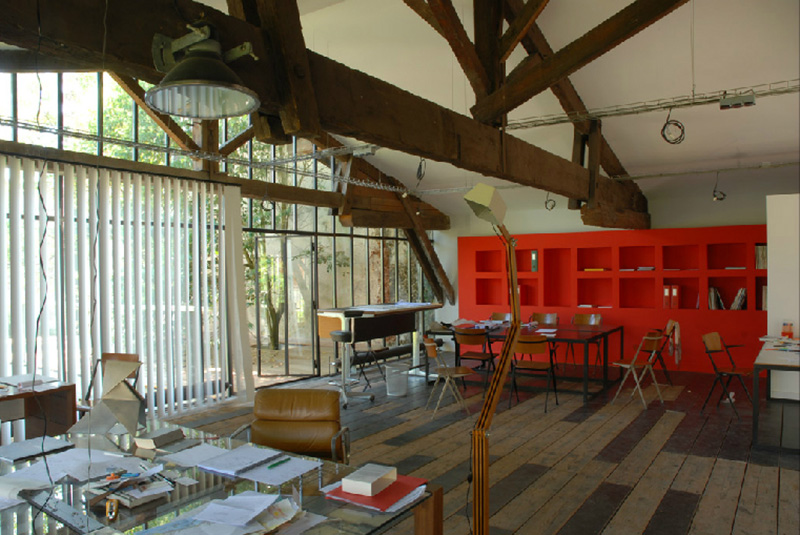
[488,205]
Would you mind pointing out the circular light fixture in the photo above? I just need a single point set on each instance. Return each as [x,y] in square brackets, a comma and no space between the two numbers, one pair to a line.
[673,131]
[202,86]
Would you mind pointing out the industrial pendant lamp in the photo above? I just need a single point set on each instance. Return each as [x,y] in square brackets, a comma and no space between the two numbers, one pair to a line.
[199,84]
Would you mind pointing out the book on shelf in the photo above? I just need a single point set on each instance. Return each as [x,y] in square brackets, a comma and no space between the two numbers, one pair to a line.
[675,296]
[715,299]
[666,301]
[627,269]
[645,268]
[594,269]
[764,297]
[585,306]
[734,267]
[761,256]
[740,301]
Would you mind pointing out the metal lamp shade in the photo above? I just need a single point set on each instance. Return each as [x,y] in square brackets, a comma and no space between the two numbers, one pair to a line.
[201,86]
[486,203]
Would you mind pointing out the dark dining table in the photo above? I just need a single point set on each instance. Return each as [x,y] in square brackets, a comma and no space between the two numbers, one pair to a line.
[585,335]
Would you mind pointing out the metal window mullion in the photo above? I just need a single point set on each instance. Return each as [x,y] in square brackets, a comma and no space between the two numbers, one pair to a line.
[117,265]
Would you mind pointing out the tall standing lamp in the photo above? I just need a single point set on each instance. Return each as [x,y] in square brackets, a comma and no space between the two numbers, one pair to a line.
[489,206]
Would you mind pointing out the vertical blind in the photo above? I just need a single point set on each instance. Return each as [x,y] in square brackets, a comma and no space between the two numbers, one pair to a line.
[97,260]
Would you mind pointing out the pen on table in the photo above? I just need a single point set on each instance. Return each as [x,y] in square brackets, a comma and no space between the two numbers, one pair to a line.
[278,463]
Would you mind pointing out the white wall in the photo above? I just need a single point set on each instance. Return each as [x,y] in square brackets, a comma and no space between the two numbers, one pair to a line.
[783,283]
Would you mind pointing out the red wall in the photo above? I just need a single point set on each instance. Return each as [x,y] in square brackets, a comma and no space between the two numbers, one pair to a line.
[692,259]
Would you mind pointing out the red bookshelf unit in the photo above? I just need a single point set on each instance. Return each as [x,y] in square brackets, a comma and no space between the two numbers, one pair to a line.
[624,275]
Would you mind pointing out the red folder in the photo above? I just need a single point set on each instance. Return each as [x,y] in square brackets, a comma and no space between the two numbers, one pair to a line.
[385,498]
[666,296]
[676,296]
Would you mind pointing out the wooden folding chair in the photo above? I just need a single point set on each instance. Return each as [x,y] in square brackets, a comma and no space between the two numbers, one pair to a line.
[649,346]
[585,319]
[532,345]
[446,373]
[715,345]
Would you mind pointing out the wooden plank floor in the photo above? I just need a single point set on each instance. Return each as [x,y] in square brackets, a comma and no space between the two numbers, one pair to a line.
[600,468]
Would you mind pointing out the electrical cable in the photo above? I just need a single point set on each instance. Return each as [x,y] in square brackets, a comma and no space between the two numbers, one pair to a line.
[673,131]
[718,195]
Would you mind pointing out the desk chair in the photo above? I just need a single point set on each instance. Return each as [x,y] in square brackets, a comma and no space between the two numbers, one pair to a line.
[448,373]
[639,366]
[500,316]
[303,421]
[475,337]
[585,319]
[544,318]
[532,345]
[714,346]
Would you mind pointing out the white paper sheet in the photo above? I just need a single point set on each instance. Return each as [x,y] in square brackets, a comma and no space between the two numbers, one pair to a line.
[303,523]
[193,456]
[241,459]
[237,510]
[282,473]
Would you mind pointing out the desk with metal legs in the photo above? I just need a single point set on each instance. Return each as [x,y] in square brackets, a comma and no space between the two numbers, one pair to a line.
[770,359]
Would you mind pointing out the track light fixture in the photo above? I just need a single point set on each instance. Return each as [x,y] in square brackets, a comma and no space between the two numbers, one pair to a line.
[717,194]
[198,83]
[673,131]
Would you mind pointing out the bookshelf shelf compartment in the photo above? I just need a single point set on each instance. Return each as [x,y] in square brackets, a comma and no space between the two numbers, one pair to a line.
[681,257]
[527,260]
[637,293]
[726,255]
[594,257]
[595,292]
[556,271]
[688,292]
[528,290]
[727,288]
[488,261]
[488,292]
[636,256]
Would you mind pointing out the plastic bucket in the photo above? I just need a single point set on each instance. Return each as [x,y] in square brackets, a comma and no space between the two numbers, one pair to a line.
[396,379]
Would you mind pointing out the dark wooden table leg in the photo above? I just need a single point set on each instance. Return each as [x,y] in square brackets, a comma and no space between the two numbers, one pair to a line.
[428,516]
[585,372]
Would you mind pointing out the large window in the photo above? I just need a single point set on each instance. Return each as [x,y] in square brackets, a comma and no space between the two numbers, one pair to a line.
[297,258]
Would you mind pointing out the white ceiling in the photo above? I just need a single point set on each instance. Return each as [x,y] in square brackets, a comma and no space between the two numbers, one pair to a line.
[736,44]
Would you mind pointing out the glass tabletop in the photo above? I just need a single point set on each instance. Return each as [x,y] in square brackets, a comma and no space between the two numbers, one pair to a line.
[305,490]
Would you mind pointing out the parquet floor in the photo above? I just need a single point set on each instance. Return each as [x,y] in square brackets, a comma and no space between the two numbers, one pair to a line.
[597,469]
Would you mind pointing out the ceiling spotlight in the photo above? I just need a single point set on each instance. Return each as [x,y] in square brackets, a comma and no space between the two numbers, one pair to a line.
[717,194]
[673,131]
[198,83]
[736,101]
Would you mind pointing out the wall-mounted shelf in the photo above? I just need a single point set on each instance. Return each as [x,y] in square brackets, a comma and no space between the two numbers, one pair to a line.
[623,275]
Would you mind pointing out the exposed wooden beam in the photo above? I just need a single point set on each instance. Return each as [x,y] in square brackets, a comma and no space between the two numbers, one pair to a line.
[206,135]
[243,137]
[536,44]
[173,129]
[594,146]
[283,36]
[422,9]
[530,78]
[428,250]
[578,157]
[268,129]
[519,26]
[488,23]
[30,61]
[427,269]
[464,50]
[353,103]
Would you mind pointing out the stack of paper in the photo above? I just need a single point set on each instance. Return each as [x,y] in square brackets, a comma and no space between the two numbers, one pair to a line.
[370,479]
[242,459]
